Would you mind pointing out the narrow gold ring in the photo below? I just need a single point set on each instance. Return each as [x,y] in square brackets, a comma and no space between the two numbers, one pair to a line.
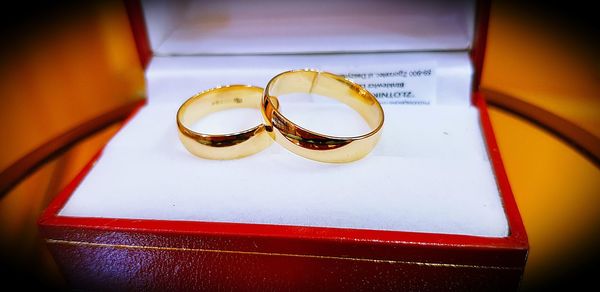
[226,146]
[313,145]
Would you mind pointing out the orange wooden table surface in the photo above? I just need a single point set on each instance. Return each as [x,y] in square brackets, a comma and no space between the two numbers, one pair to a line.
[548,58]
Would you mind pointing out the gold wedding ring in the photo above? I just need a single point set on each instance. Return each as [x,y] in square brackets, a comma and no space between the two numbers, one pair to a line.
[314,145]
[226,146]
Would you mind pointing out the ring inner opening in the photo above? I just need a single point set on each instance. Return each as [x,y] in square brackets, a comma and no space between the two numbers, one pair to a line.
[326,103]
[223,111]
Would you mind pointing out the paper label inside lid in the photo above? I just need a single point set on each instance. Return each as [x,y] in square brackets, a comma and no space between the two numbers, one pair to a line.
[412,84]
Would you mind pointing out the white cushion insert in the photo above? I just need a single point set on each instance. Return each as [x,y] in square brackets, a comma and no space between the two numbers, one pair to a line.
[429,173]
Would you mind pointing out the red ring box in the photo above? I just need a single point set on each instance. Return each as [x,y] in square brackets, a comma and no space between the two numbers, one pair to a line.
[96,252]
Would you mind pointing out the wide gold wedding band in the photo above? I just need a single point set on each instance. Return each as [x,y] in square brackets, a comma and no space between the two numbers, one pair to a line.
[313,145]
[226,146]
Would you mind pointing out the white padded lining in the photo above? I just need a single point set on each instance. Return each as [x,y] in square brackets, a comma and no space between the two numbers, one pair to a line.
[177,78]
[309,26]
[428,173]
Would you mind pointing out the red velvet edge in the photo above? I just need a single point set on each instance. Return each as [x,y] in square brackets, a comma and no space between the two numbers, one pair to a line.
[138,29]
[482,15]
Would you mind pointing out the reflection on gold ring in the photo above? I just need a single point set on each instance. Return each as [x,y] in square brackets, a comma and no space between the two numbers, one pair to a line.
[313,145]
[227,146]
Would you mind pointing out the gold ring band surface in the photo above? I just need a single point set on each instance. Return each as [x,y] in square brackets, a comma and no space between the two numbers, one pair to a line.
[313,145]
[225,146]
